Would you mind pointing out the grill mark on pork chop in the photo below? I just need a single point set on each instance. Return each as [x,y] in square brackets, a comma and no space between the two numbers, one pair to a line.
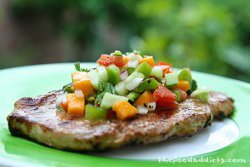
[37,119]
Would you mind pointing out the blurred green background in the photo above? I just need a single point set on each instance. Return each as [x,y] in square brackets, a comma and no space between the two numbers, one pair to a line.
[209,36]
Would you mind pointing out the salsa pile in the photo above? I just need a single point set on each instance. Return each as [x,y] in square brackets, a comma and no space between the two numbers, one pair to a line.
[127,85]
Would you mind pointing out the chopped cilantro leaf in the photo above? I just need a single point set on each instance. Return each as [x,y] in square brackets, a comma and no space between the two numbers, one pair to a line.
[78,67]
[139,53]
[103,87]
[68,88]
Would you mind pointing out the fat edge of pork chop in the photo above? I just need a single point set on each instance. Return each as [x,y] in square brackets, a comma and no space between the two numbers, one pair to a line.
[37,119]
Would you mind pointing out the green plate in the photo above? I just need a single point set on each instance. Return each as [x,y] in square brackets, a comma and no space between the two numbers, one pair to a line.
[31,81]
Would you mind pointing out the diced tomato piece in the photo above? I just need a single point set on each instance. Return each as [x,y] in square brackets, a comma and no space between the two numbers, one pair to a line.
[164,98]
[163,94]
[166,67]
[160,63]
[105,60]
[111,114]
[167,105]
[64,105]
[118,61]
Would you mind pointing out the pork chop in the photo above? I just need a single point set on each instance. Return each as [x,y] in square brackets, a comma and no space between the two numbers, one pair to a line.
[221,105]
[39,120]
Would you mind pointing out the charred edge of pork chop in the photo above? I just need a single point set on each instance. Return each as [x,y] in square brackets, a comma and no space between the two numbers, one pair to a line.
[37,119]
[221,105]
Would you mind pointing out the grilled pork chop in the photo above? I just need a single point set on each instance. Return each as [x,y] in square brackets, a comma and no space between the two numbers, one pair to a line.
[39,120]
[220,104]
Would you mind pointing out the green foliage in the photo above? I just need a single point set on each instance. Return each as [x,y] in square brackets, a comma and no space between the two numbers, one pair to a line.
[198,34]
[211,36]
[193,32]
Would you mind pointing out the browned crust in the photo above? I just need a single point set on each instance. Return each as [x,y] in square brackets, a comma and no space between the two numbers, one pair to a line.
[38,120]
[221,105]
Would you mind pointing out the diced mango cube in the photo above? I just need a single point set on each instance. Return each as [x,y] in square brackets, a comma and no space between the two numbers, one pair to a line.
[124,110]
[82,82]
[148,60]
[75,105]
[183,85]
[146,97]
[125,59]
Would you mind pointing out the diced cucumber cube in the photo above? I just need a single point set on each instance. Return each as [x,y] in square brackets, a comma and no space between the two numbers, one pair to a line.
[94,79]
[133,76]
[133,80]
[130,70]
[133,84]
[117,53]
[185,74]
[144,68]
[157,72]
[171,79]
[110,99]
[133,57]
[178,95]
[148,84]
[201,94]
[113,74]
[102,73]
[132,64]
[132,96]
[94,113]
[121,89]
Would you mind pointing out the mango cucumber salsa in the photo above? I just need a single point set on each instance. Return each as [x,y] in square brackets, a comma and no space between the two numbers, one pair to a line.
[127,84]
